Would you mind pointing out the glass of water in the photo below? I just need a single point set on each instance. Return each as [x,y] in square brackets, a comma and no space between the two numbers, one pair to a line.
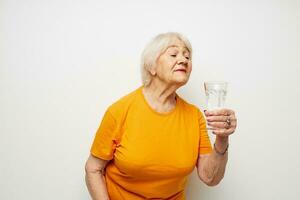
[215,92]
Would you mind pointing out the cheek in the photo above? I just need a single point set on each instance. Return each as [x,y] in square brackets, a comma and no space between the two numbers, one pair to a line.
[168,67]
[162,70]
[165,67]
[166,64]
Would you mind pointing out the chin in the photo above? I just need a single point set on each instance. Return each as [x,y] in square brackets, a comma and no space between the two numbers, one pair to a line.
[181,81]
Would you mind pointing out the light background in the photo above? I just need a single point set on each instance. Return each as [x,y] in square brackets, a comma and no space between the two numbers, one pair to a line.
[63,62]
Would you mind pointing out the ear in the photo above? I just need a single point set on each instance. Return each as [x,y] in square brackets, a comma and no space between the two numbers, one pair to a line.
[152,71]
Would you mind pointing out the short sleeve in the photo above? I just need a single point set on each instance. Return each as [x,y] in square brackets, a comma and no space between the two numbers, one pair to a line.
[204,143]
[104,143]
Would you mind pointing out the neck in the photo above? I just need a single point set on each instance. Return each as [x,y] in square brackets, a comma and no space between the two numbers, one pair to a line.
[160,96]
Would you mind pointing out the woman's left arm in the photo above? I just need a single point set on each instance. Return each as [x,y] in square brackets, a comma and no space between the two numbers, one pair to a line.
[211,167]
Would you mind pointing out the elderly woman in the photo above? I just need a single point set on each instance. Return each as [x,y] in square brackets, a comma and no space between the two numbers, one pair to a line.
[150,140]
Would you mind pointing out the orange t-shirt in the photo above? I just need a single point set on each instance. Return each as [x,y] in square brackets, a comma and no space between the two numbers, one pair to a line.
[151,153]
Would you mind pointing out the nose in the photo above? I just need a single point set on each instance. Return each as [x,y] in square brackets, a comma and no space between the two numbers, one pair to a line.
[182,60]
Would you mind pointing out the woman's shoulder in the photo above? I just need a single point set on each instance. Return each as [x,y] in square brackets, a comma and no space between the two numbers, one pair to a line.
[191,108]
[121,105]
[188,106]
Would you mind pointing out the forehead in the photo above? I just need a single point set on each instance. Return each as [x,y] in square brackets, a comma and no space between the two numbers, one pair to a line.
[177,44]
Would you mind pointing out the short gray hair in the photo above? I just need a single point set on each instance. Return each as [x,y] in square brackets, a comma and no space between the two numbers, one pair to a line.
[155,48]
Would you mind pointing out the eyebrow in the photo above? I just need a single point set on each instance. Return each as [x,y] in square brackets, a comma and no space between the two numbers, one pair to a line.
[178,47]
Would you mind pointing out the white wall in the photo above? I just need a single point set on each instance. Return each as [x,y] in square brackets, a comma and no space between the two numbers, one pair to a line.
[63,62]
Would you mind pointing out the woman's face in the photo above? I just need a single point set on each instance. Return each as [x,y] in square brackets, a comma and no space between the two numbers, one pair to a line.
[174,65]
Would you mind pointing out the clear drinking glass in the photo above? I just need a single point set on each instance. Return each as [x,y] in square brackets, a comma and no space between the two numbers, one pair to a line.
[215,92]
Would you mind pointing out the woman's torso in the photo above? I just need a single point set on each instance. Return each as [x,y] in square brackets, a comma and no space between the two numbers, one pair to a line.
[156,152]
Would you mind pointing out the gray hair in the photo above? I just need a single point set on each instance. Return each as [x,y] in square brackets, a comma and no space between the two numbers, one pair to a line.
[155,48]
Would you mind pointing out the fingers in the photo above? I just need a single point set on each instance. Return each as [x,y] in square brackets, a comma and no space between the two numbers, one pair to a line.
[223,111]
[222,122]
[217,118]
[223,132]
